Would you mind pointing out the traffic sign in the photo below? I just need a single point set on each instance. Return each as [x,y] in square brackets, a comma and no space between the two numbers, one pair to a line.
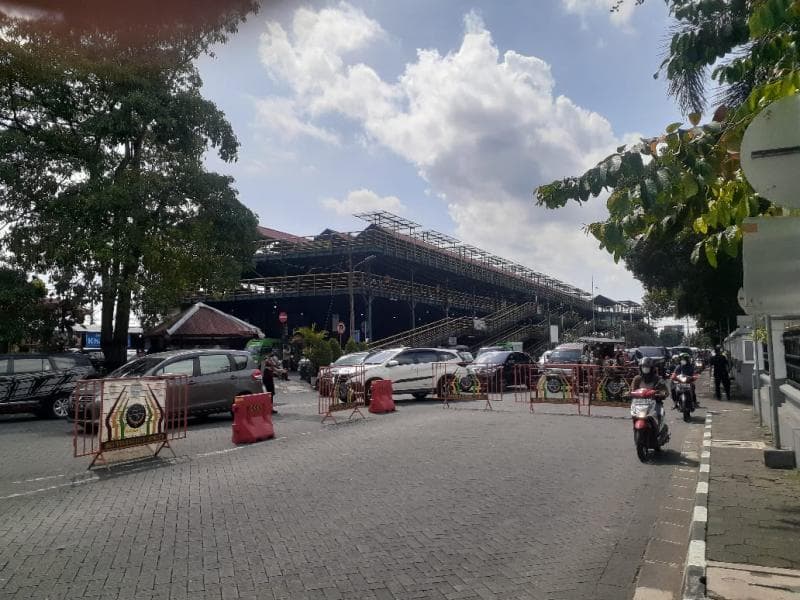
[283,317]
[340,327]
[770,152]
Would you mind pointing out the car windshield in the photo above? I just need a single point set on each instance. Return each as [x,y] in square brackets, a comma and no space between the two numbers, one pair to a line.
[491,358]
[137,368]
[380,357]
[651,351]
[350,359]
[565,356]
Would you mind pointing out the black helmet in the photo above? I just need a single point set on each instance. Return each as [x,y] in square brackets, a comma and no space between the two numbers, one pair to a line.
[646,362]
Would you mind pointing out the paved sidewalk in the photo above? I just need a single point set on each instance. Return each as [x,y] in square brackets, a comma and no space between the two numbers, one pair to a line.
[753,536]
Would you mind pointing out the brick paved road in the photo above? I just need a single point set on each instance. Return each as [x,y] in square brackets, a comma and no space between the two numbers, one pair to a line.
[423,503]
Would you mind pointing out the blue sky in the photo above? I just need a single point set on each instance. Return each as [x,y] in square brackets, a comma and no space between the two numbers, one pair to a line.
[449,113]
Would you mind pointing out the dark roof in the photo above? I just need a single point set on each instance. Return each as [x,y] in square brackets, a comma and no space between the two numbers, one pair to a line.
[603,301]
[203,321]
[274,234]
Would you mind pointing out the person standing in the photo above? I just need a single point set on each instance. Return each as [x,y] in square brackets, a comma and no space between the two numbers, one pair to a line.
[720,367]
[268,380]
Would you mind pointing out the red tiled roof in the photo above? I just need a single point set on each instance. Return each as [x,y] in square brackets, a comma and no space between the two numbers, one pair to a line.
[274,234]
[201,320]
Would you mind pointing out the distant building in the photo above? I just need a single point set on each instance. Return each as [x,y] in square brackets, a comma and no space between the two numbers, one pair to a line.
[673,329]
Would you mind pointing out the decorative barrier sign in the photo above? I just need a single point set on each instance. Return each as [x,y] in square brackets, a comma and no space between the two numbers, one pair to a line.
[115,414]
[133,413]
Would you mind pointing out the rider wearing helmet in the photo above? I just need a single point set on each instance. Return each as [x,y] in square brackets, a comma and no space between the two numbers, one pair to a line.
[685,367]
[648,377]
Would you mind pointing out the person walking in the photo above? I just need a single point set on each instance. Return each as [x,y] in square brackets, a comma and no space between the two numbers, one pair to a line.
[720,367]
[268,380]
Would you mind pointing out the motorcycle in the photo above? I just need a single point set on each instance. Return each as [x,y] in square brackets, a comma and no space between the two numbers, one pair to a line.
[304,368]
[650,432]
[684,394]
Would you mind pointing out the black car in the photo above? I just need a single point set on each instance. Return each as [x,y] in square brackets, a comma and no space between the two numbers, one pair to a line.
[41,383]
[488,365]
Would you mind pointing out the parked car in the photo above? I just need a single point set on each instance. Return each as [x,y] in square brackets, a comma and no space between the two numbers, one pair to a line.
[567,354]
[341,370]
[41,383]
[492,366]
[544,357]
[215,378]
[411,369]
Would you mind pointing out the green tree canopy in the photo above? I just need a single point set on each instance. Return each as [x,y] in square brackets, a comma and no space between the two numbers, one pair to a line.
[102,179]
[685,186]
[24,315]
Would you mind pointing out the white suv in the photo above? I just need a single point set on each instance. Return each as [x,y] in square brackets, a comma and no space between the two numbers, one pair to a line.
[411,369]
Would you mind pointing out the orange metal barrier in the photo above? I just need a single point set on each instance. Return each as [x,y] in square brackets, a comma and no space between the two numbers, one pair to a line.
[453,383]
[551,384]
[341,389]
[114,414]
[610,385]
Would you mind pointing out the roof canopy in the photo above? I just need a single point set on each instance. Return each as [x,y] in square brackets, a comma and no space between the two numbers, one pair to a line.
[203,321]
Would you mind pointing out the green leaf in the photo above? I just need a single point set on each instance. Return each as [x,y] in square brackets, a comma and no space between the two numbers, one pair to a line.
[700,226]
[689,184]
[695,256]
[673,127]
[711,255]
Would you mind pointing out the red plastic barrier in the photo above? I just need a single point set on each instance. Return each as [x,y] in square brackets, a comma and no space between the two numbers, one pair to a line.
[252,419]
[381,397]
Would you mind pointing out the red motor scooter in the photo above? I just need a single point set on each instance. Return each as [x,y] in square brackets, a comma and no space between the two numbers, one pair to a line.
[650,430]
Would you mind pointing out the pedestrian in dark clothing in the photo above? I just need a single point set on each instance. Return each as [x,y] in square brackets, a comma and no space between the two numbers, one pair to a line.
[721,367]
[268,381]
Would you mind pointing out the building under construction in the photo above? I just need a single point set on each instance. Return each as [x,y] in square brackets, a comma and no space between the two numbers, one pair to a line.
[397,283]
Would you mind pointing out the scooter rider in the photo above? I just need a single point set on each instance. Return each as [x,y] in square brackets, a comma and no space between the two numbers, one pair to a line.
[649,378]
[685,367]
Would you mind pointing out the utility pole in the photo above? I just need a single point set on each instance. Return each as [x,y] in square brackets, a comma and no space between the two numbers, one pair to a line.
[350,292]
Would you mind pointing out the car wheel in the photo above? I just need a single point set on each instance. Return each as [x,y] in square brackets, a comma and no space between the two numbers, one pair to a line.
[46,409]
[60,407]
[420,395]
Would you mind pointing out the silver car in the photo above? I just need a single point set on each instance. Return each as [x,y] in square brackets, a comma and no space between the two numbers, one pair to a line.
[215,377]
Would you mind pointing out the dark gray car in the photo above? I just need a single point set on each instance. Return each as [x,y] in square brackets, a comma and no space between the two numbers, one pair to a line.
[215,377]
[40,383]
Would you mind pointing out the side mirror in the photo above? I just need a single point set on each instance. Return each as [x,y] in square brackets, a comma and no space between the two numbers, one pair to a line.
[392,363]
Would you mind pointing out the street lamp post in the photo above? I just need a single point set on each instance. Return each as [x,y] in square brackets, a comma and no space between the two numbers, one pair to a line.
[352,266]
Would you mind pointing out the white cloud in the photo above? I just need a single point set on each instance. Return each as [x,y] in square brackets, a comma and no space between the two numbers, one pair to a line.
[363,200]
[620,17]
[483,129]
[279,116]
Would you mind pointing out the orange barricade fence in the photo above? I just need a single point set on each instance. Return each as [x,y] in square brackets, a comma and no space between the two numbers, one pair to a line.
[252,419]
[341,389]
[611,385]
[549,384]
[115,414]
[454,383]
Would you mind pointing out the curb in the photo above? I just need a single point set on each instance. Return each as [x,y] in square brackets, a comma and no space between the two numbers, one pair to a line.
[694,577]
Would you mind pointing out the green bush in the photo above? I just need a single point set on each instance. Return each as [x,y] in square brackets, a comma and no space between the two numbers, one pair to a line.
[336,349]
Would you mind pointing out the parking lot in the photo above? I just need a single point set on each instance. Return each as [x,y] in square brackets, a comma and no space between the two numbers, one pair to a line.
[421,503]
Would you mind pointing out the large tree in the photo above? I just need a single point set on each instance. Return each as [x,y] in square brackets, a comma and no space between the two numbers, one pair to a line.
[24,315]
[103,134]
[678,199]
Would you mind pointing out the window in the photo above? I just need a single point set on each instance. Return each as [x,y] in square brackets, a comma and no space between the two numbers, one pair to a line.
[179,367]
[429,356]
[748,351]
[445,356]
[407,358]
[214,363]
[239,361]
[31,365]
[64,362]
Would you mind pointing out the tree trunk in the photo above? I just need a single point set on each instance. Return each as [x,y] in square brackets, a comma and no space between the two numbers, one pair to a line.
[119,347]
[108,301]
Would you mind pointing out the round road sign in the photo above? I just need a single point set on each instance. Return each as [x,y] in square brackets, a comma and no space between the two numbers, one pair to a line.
[340,327]
[770,153]
[283,317]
